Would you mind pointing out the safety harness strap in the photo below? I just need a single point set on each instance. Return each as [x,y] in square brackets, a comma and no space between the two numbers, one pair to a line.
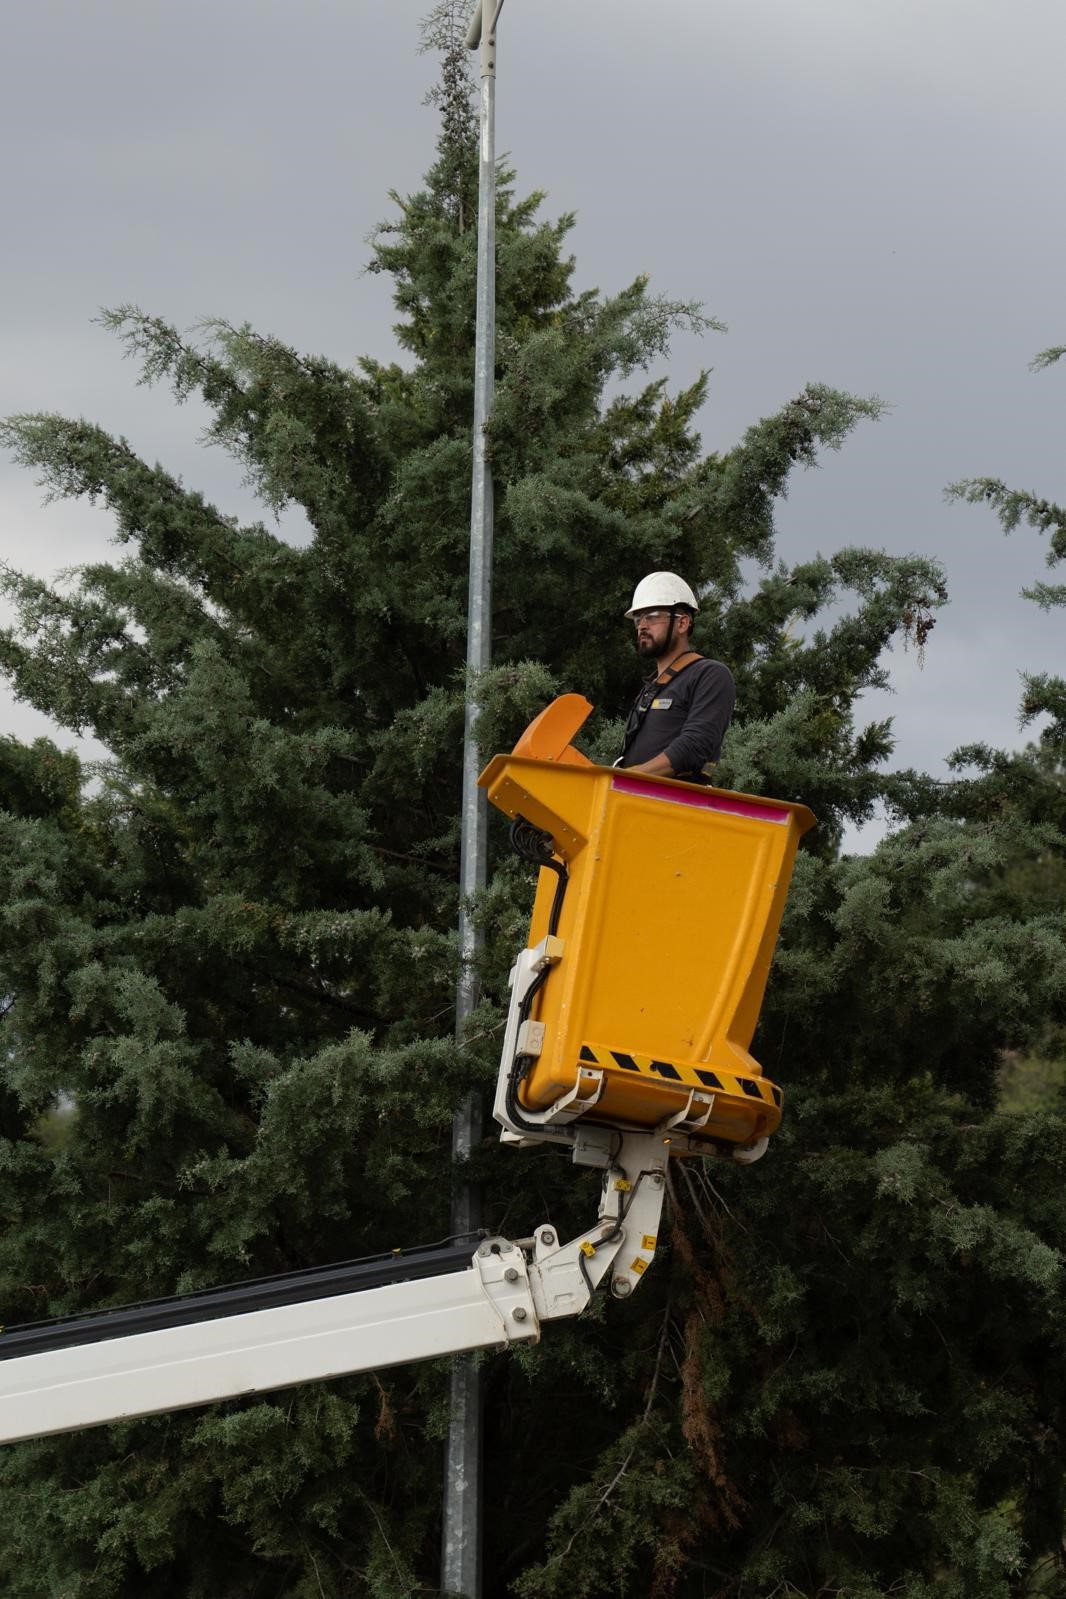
[643,701]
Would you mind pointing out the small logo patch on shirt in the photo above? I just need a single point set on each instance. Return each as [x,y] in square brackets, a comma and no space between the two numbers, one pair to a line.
[661,705]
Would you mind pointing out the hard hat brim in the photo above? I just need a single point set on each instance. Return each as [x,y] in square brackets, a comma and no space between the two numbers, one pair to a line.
[663,605]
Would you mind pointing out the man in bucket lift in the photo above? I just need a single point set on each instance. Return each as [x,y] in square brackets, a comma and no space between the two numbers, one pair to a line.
[680,717]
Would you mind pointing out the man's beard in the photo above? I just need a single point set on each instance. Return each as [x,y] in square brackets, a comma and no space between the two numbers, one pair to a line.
[648,650]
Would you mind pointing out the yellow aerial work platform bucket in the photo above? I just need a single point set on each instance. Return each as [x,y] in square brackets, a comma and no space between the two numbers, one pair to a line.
[652,978]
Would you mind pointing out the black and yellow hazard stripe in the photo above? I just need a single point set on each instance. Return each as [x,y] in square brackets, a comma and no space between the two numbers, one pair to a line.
[690,1076]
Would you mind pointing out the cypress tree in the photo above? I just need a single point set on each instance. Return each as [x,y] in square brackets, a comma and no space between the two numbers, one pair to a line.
[232,954]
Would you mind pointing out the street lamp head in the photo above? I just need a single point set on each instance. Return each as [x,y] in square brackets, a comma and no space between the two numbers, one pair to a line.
[473,33]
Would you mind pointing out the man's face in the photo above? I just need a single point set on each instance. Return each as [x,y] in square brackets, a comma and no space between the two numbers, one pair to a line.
[653,632]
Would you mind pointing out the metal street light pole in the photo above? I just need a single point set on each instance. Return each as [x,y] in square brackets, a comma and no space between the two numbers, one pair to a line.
[461,1532]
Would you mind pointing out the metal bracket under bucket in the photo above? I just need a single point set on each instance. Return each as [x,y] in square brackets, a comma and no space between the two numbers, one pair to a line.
[685,1120]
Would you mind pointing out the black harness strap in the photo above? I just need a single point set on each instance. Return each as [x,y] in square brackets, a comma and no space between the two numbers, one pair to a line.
[643,701]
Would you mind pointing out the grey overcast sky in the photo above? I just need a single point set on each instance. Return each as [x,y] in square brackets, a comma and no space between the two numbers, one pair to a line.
[868,192]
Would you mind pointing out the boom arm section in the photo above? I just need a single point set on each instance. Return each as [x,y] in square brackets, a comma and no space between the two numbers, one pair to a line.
[64,1375]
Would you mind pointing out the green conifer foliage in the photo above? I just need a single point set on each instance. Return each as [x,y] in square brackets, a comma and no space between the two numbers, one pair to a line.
[234,955]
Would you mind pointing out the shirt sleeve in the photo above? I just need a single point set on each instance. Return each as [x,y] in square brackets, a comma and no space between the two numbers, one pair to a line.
[709,715]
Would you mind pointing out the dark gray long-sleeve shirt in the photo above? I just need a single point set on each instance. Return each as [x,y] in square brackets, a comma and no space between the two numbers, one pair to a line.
[685,720]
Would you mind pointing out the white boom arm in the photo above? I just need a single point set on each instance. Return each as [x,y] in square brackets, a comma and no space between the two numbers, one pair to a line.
[96,1373]
[112,1378]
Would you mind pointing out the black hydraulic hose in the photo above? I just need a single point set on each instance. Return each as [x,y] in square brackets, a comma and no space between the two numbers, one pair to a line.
[521,1063]
[533,844]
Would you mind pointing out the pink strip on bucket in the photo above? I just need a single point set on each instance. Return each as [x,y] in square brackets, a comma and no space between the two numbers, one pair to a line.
[699,797]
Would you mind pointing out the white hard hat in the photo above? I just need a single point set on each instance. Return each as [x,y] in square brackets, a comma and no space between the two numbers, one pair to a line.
[661,588]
